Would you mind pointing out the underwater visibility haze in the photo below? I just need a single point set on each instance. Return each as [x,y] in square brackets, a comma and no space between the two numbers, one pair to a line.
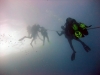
[48,53]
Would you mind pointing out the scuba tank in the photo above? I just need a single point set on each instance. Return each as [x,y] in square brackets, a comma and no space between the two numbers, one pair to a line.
[83,26]
[77,33]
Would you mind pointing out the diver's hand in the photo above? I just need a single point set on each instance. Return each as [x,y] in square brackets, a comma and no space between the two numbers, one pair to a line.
[90,25]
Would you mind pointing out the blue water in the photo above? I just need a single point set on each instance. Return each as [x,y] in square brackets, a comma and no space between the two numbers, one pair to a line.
[55,58]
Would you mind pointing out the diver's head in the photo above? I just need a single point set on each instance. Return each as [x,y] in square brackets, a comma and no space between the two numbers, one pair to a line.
[62,27]
[68,19]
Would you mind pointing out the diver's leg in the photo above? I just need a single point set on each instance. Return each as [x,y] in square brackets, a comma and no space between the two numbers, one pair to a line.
[70,42]
[25,37]
[80,41]
[22,38]
[32,42]
[47,38]
[84,45]
[43,40]
[35,41]
[73,54]
[39,37]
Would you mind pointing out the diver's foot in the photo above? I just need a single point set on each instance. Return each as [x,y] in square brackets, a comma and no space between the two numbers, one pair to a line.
[21,39]
[90,25]
[87,49]
[73,56]
[31,45]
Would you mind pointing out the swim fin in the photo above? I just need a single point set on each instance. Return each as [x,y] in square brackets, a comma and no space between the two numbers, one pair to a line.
[73,56]
[21,39]
[31,45]
[87,49]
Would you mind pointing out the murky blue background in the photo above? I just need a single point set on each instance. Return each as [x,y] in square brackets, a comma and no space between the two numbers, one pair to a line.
[55,58]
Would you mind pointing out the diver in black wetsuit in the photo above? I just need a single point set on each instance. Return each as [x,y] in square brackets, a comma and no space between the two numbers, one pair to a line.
[79,30]
[44,34]
[32,33]
[69,32]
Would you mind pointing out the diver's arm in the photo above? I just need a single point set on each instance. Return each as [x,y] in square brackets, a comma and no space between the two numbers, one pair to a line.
[60,33]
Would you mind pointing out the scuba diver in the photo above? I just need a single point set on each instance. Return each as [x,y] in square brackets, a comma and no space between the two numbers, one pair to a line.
[69,33]
[29,32]
[44,33]
[32,33]
[79,30]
